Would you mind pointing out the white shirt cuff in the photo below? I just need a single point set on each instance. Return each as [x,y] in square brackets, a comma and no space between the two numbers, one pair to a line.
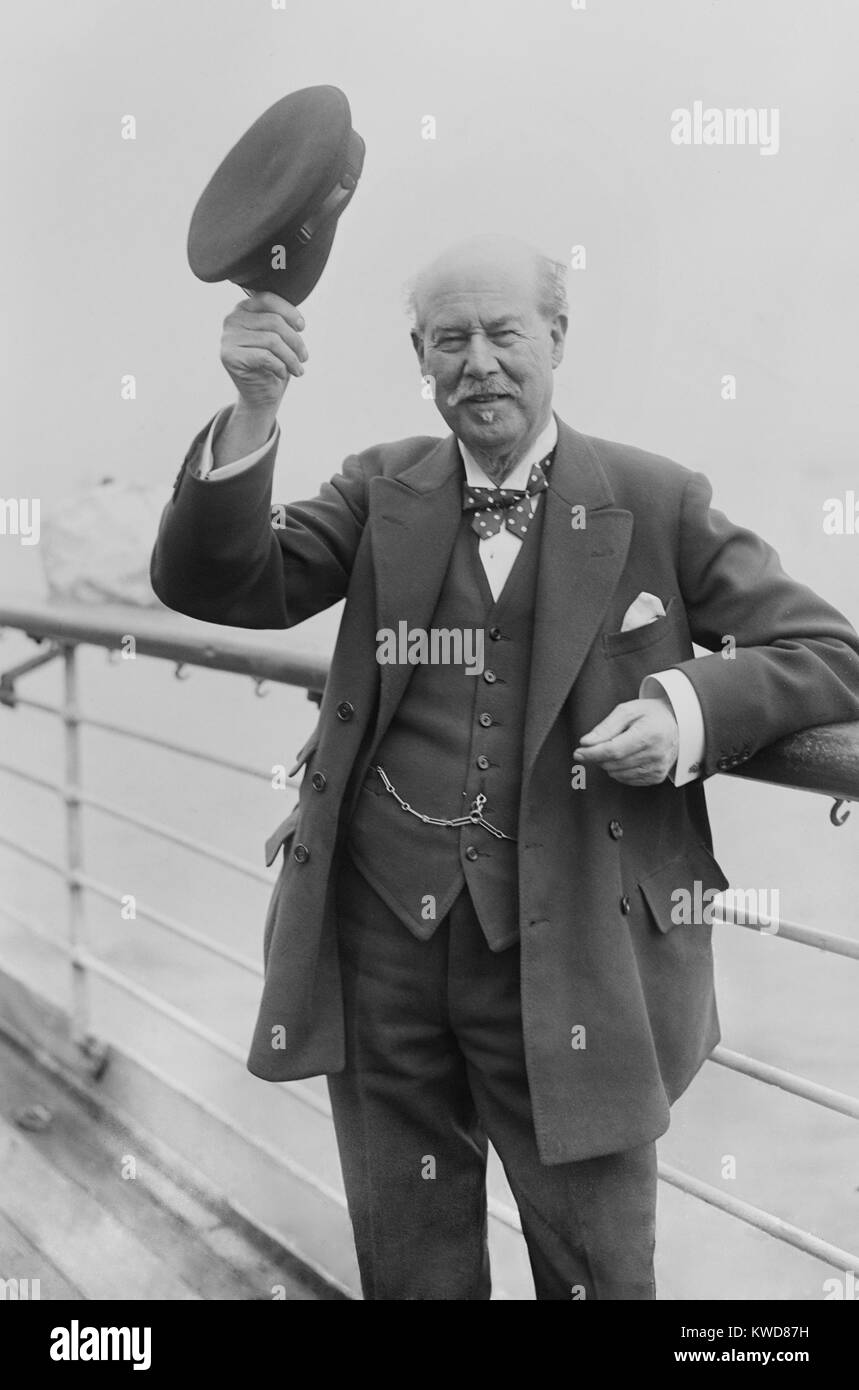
[206,464]
[681,695]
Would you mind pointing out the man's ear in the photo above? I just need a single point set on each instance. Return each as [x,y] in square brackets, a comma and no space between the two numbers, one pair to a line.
[418,345]
[558,333]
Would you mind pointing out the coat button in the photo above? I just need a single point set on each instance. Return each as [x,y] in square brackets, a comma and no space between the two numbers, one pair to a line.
[495,634]
[615,829]
[301,854]
[485,720]
[318,781]
[490,677]
[625,905]
[345,710]
[482,762]
[471,853]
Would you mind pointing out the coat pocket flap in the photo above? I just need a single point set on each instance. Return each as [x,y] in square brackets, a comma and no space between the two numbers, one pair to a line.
[277,837]
[682,891]
[304,753]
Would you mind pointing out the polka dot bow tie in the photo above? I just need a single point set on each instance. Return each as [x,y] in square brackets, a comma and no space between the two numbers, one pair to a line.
[495,507]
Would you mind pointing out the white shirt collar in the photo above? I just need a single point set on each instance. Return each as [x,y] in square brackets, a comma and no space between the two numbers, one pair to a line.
[543,445]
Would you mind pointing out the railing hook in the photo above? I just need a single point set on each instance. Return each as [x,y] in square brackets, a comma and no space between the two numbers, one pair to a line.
[8,678]
[180,673]
[836,814]
[260,687]
[36,1117]
[96,1055]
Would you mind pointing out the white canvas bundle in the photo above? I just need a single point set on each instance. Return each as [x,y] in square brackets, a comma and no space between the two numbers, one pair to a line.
[95,546]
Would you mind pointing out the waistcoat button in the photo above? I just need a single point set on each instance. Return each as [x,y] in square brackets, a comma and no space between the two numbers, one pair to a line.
[301,854]
[318,781]
[345,710]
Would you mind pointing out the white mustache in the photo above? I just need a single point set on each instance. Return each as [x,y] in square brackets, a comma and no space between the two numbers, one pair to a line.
[468,393]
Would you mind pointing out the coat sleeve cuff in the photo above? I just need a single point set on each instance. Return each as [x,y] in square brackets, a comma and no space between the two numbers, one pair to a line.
[680,693]
[204,468]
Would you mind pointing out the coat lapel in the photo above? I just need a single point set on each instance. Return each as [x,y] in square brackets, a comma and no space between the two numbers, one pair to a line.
[414,519]
[579,571]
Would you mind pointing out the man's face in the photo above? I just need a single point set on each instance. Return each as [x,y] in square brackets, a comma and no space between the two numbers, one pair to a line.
[490,350]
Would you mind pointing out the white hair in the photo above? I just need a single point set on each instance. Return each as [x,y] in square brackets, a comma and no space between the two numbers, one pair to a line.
[551,277]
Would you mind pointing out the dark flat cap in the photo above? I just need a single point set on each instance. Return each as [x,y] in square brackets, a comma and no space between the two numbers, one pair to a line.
[267,217]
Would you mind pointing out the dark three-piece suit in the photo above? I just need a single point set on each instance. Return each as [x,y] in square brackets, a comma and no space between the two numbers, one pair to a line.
[537,988]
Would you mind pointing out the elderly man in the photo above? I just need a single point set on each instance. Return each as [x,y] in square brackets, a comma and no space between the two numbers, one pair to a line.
[473,933]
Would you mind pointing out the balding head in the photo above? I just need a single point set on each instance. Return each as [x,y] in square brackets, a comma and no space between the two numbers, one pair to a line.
[497,261]
[490,317]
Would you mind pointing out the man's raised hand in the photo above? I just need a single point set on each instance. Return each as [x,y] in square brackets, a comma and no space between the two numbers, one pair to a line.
[261,348]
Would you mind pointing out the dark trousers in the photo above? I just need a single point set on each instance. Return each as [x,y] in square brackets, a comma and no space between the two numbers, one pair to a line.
[435,1066]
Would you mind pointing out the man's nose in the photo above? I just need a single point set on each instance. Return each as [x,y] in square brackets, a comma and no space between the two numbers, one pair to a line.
[480,359]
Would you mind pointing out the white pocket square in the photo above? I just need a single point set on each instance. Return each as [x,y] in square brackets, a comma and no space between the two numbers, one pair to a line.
[645,609]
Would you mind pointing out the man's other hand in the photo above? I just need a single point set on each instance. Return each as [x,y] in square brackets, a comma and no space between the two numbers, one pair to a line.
[636,744]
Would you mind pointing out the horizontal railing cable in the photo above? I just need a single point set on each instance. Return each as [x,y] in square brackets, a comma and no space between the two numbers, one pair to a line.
[35,855]
[762,1220]
[794,931]
[190,1024]
[153,740]
[173,925]
[158,1004]
[788,1081]
[46,784]
[173,836]
[153,827]
[280,1159]
[170,924]
[31,924]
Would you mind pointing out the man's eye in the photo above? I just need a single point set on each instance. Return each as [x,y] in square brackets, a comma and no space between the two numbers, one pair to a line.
[449,344]
[505,336]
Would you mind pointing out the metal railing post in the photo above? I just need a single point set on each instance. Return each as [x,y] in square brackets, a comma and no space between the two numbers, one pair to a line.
[74,848]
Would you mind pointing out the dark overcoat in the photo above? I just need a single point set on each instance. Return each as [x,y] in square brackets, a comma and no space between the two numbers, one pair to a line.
[618,1006]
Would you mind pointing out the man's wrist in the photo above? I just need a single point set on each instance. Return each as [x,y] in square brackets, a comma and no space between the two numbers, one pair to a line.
[246,429]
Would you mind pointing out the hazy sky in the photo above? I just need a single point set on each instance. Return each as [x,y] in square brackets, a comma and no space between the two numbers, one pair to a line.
[551,123]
